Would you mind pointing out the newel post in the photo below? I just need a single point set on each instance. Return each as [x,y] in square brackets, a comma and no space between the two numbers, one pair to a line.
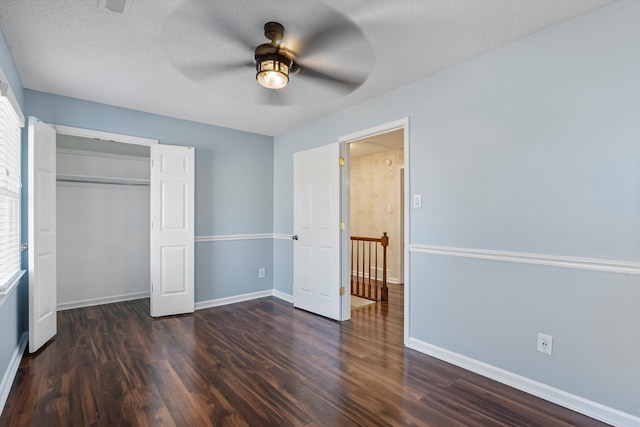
[384,292]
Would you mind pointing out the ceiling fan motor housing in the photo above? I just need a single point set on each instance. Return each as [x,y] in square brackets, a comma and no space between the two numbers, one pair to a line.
[273,62]
[272,68]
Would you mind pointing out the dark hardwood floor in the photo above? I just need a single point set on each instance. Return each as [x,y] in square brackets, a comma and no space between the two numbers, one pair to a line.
[255,363]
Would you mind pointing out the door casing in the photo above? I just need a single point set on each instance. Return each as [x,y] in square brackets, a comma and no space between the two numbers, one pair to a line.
[345,195]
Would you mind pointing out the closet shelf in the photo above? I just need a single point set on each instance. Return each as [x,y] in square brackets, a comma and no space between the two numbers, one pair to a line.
[101,179]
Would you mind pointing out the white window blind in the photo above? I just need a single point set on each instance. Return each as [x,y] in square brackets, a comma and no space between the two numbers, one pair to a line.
[10,186]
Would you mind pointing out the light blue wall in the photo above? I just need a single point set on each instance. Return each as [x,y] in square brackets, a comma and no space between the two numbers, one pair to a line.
[13,308]
[533,148]
[13,321]
[233,185]
[216,260]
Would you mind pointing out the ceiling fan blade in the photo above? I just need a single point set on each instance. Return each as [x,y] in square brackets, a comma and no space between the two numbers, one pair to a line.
[343,83]
[274,97]
[207,70]
[333,32]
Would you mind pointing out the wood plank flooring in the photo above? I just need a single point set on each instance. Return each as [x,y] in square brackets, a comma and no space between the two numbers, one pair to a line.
[255,363]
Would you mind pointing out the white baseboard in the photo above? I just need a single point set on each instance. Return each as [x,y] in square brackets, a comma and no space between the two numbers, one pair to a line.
[283,296]
[198,305]
[232,300]
[12,369]
[102,300]
[244,297]
[560,397]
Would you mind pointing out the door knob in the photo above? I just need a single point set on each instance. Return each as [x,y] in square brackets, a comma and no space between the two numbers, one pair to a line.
[294,237]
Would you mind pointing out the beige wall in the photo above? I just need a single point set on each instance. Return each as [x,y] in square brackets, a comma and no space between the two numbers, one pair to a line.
[375,202]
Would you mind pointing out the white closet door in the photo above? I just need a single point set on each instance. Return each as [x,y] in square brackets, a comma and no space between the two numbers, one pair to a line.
[42,233]
[172,230]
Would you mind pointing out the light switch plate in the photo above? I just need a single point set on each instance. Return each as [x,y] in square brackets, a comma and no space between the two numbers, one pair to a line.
[417,200]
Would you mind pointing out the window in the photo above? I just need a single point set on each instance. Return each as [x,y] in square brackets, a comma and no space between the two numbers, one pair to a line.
[10,124]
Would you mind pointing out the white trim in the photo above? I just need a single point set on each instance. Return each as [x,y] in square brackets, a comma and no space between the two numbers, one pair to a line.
[231,237]
[102,300]
[233,299]
[403,124]
[105,136]
[6,90]
[280,236]
[607,265]
[376,130]
[12,369]
[102,155]
[407,234]
[281,295]
[560,397]
[345,237]
[11,284]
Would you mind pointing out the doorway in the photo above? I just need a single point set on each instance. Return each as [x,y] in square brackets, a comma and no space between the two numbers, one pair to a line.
[374,197]
[376,170]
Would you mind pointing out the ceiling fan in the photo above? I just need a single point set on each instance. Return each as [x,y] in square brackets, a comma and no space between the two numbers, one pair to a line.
[274,62]
[326,55]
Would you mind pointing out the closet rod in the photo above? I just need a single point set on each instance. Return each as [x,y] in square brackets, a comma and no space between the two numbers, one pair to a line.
[105,181]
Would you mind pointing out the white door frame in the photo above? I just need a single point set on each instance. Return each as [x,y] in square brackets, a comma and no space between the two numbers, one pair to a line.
[104,136]
[402,209]
[353,137]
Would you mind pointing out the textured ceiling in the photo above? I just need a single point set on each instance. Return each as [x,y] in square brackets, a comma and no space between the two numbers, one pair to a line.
[173,57]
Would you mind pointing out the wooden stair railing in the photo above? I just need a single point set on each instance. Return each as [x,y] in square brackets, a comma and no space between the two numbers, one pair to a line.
[364,267]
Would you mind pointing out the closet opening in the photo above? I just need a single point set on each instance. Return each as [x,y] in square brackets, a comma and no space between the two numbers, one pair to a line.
[103,222]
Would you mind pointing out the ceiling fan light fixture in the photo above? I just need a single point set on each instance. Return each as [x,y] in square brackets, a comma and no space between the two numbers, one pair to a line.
[272,71]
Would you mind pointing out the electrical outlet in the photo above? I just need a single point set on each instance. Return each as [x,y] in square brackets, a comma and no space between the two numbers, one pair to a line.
[262,273]
[545,343]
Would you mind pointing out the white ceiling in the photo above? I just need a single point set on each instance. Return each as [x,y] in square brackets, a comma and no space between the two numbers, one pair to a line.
[169,57]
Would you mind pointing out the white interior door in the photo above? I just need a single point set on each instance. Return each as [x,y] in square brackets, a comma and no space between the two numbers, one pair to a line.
[172,230]
[42,233]
[316,224]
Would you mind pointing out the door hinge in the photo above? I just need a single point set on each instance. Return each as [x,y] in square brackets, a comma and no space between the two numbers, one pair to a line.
[342,291]
[341,161]
[341,225]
